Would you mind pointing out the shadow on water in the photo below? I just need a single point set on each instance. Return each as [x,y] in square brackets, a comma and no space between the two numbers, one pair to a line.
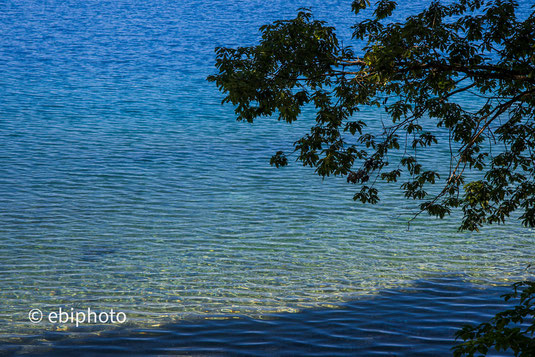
[417,320]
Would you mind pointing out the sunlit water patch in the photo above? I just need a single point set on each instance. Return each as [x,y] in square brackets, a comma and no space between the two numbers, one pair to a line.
[419,319]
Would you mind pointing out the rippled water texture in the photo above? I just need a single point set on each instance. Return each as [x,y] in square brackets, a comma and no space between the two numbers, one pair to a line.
[418,320]
[125,184]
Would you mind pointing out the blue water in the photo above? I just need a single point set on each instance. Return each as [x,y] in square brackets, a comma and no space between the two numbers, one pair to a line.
[415,321]
[125,184]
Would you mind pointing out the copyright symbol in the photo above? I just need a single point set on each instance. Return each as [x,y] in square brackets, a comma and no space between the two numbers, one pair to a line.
[35,316]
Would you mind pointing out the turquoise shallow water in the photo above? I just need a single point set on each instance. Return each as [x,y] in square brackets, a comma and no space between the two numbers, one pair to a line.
[419,320]
[125,184]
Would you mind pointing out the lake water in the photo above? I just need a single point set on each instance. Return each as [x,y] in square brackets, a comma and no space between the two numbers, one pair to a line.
[125,184]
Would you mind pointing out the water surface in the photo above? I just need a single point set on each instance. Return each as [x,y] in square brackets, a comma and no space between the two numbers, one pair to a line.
[125,184]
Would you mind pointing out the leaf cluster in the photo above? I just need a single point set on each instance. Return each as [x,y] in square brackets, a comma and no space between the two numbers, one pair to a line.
[510,330]
[416,70]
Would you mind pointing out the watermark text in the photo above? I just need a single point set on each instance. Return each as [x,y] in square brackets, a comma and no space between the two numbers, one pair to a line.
[78,317]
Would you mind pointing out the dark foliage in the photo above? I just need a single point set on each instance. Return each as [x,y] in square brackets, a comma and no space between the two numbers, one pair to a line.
[415,70]
[510,330]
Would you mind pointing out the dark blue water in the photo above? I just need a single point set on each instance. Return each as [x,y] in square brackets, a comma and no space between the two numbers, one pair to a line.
[419,320]
[125,184]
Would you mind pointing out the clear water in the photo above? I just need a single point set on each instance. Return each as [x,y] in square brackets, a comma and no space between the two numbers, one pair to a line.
[125,184]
